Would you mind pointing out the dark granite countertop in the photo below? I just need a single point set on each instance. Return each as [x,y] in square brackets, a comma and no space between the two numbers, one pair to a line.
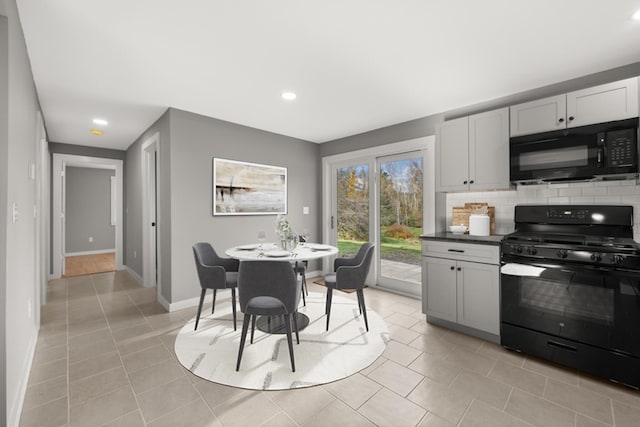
[494,239]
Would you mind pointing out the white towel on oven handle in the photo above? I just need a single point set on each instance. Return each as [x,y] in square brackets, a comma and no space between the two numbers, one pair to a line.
[513,269]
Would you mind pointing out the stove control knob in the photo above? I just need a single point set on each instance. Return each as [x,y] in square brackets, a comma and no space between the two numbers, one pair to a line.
[562,253]
[533,250]
[617,259]
[519,249]
[596,257]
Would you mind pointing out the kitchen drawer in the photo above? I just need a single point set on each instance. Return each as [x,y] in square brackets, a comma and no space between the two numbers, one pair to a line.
[488,254]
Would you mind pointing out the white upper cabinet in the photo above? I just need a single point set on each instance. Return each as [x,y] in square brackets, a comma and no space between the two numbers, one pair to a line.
[472,153]
[537,116]
[452,155]
[598,104]
[489,150]
[605,103]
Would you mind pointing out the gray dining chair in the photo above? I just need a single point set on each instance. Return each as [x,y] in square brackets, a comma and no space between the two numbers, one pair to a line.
[350,273]
[268,288]
[215,273]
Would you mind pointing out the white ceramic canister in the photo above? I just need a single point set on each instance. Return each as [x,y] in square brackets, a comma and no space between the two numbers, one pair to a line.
[479,225]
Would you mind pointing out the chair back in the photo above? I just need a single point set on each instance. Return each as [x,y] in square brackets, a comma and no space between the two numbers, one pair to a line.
[353,276]
[211,275]
[268,278]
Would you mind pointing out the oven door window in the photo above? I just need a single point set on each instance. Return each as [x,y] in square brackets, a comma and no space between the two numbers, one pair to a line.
[588,305]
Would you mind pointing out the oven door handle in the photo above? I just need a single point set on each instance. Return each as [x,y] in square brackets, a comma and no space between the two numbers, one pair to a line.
[521,270]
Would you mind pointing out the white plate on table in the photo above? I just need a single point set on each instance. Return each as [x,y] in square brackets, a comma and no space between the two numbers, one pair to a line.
[317,247]
[252,247]
[277,254]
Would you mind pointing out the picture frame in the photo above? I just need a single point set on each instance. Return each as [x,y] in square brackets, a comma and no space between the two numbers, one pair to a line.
[243,188]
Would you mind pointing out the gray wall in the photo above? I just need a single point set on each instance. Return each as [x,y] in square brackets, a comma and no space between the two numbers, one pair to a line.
[4,165]
[185,190]
[133,204]
[81,150]
[88,210]
[17,152]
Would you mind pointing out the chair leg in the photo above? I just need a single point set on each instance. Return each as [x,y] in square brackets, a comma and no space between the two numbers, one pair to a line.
[233,306]
[363,307]
[253,326]
[243,338]
[327,308]
[204,291]
[304,300]
[295,326]
[304,285]
[213,306]
[287,324]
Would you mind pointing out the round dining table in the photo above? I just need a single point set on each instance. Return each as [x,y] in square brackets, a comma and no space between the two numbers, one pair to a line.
[271,252]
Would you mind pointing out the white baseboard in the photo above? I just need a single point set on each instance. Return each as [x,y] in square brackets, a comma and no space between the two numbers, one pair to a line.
[96,252]
[316,273]
[193,302]
[133,274]
[164,303]
[13,415]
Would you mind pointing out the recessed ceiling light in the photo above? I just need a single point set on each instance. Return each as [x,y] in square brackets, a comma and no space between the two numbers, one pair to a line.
[636,15]
[289,96]
[97,132]
[101,122]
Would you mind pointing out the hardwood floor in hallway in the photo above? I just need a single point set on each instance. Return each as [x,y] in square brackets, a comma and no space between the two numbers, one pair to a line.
[81,265]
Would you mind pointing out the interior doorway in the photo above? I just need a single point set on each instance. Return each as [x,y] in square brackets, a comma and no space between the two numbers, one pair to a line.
[58,219]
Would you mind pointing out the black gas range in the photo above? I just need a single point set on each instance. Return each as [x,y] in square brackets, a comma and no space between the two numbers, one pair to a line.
[570,288]
[598,235]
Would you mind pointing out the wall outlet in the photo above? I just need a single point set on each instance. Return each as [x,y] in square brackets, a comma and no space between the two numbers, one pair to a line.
[90,239]
[29,308]
[305,210]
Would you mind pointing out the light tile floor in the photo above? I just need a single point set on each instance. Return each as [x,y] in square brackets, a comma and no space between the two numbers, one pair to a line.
[105,358]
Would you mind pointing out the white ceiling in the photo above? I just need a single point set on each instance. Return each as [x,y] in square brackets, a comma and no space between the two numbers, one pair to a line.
[356,65]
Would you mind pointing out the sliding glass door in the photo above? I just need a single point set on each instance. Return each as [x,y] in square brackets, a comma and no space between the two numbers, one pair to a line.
[386,199]
[351,217]
[399,219]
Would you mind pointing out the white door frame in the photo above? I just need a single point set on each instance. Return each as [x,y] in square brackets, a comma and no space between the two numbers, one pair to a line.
[41,210]
[150,200]
[60,163]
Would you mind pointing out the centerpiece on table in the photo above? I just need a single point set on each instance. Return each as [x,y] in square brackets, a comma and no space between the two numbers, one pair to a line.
[286,235]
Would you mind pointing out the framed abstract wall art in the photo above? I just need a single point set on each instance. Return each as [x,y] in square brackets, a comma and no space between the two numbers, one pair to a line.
[241,188]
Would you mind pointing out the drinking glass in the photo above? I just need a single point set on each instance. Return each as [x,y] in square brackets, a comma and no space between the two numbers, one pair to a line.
[262,236]
[305,235]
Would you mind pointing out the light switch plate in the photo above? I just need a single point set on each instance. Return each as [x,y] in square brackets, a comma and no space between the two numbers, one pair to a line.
[14,212]
[305,210]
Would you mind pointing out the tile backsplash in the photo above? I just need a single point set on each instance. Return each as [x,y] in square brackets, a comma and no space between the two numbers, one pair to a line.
[579,193]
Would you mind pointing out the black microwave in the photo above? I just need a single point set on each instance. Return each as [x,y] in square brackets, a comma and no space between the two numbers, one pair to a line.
[594,152]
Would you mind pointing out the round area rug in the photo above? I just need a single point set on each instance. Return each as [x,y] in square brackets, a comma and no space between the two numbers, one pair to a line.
[321,357]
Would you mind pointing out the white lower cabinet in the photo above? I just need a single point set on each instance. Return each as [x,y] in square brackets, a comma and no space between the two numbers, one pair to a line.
[460,290]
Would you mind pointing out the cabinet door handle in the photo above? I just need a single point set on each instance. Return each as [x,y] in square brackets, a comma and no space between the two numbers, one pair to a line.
[465,182]
[561,120]
[571,118]
[460,251]
[459,268]
[471,182]
[452,268]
